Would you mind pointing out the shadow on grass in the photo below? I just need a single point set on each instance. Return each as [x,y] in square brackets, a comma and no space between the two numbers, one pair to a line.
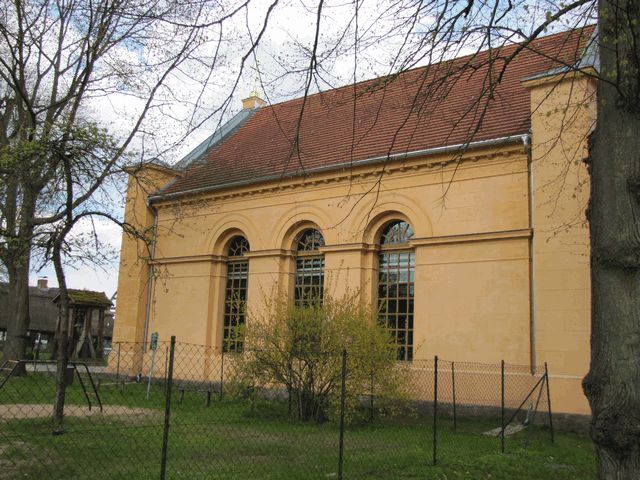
[235,439]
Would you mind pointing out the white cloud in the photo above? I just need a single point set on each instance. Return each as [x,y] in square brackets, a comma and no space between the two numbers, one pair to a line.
[282,54]
[101,276]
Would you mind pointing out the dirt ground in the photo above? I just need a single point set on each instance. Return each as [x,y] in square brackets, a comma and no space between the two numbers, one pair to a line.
[18,411]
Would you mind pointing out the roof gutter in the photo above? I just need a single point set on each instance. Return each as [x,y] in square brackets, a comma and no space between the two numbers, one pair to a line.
[460,147]
[532,265]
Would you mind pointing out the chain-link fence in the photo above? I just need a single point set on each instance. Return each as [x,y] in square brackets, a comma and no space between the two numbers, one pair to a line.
[190,411]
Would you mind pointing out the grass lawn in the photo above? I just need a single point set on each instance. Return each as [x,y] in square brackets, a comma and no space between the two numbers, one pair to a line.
[232,440]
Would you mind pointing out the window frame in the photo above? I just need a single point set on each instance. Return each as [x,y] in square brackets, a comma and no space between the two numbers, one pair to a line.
[237,271]
[399,259]
[308,268]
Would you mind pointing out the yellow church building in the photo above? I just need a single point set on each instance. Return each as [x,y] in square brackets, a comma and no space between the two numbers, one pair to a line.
[452,202]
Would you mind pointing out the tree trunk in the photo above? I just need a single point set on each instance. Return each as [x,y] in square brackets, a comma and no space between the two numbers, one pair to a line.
[613,383]
[63,350]
[18,264]
[18,315]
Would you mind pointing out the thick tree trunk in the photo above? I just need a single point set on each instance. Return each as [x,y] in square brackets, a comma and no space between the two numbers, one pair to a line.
[18,264]
[613,383]
[18,315]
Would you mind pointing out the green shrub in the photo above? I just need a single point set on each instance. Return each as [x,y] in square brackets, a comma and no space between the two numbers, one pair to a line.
[300,349]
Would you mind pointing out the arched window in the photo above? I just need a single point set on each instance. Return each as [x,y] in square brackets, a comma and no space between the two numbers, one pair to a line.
[309,280]
[396,285]
[235,299]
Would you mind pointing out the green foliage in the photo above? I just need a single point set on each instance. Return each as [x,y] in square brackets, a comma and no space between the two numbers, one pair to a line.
[300,348]
[14,154]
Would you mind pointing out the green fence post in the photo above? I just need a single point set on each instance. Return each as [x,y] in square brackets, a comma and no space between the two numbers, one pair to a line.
[118,364]
[371,399]
[221,370]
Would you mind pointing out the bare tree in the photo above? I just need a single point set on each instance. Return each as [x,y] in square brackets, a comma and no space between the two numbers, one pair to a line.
[61,63]
[61,161]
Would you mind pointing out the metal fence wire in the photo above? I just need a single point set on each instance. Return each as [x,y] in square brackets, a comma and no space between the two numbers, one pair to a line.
[191,411]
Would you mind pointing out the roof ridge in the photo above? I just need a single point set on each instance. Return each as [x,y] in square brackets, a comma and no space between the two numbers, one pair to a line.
[219,135]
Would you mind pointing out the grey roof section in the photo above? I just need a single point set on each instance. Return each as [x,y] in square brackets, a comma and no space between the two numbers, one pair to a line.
[216,138]
[591,58]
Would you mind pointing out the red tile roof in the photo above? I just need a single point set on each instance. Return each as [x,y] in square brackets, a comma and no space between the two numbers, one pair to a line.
[442,104]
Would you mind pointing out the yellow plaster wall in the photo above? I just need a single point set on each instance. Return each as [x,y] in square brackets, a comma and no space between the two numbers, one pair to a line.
[561,238]
[134,254]
[473,243]
[180,301]
[455,297]
[474,301]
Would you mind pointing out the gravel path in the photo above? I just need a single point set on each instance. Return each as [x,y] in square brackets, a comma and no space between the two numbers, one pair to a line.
[17,411]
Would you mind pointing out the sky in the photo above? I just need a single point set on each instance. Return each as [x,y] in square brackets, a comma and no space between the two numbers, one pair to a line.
[291,29]
[281,59]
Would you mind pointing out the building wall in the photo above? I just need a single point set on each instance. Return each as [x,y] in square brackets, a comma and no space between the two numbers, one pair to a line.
[133,273]
[561,240]
[479,242]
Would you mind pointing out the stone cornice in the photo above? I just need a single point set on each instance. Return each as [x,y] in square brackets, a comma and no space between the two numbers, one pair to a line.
[349,174]
[347,247]
[472,237]
[274,252]
[358,247]
[189,259]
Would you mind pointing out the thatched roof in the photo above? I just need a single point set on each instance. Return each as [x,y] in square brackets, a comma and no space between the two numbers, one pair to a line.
[87,298]
[43,312]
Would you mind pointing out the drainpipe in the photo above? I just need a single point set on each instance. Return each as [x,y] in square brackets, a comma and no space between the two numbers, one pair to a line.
[532,279]
[150,279]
